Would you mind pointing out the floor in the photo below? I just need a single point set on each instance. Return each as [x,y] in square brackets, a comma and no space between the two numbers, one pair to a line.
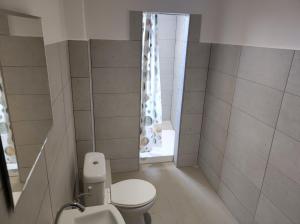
[184,195]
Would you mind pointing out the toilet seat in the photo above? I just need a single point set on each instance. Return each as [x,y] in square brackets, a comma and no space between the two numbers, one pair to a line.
[132,193]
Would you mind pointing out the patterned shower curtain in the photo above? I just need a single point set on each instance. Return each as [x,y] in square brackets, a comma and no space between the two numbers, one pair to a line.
[151,114]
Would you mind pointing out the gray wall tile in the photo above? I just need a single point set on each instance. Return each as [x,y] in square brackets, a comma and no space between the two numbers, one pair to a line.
[289,120]
[195,79]
[217,110]
[283,192]
[267,213]
[4,28]
[59,189]
[211,176]
[189,143]
[83,147]
[212,157]
[45,215]
[187,159]
[119,148]
[246,159]
[113,105]
[245,191]
[197,55]
[225,58]
[111,53]
[258,94]
[193,102]
[260,101]
[293,85]
[63,50]
[214,133]
[83,126]
[40,183]
[22,51]
[116,80]
[81,92]
[26,80]
[79,58]
[27,155]
[31,132]
[36,186]
[221,85]
[116,127]
[285,156]
[191,123]
[53,68]
[251,131]
[68,104]
[57,132]
[234,205]
[266,66]
[29,107]
[124,165]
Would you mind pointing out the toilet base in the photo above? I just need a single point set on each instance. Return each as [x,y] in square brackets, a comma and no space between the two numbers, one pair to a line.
[138,215]
[137,219]
[147,218]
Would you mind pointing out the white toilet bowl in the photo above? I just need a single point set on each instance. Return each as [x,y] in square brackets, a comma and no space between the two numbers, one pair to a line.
[133,198]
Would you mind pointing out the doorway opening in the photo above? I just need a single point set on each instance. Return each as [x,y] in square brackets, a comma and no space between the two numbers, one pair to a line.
[164,44]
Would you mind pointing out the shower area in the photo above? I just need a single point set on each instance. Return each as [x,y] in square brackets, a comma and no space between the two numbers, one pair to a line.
[163,55]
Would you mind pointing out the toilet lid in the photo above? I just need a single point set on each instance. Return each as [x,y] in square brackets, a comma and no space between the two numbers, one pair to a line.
[132,193]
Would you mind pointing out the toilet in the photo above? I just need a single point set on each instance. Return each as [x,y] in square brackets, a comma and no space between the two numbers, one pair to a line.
[133,197]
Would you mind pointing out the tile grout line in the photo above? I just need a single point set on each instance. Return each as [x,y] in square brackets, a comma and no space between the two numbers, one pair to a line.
[276,123]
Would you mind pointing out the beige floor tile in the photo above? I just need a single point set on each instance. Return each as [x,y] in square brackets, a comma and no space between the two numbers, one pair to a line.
[183,195]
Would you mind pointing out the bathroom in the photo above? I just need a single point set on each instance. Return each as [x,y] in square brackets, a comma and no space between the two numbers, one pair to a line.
[237,155]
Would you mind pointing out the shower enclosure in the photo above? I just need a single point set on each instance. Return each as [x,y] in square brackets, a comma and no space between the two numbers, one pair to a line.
[151,113]
[162,77]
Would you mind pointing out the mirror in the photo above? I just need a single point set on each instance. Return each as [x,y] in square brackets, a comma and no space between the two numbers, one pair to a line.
[25,106]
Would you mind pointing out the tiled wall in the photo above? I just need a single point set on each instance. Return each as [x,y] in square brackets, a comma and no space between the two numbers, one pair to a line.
[28,97]
[4,29]
[178,80]
[250,143]
[224,61]
[196,68]
[53,178]
[116,96]
[115,74]
[166,44]
[81,90]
